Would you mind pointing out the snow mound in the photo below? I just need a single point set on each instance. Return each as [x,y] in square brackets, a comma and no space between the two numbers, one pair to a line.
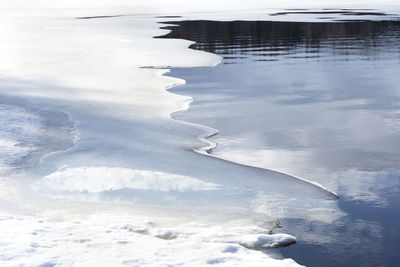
[101,179]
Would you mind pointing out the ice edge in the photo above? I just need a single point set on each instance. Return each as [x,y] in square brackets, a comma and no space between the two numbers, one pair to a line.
[209,132]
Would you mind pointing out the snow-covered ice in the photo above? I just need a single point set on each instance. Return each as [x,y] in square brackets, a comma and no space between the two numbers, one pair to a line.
[113,179]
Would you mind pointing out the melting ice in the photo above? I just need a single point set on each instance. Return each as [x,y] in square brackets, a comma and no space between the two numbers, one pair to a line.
[92,163]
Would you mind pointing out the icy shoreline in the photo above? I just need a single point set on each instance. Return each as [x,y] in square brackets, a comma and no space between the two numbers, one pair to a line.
[66,211]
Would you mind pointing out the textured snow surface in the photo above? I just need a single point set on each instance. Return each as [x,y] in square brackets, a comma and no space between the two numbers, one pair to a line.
[107,240]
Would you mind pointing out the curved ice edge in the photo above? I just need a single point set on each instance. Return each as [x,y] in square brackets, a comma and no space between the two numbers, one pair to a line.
[75,137]
[209,132]
[207,150]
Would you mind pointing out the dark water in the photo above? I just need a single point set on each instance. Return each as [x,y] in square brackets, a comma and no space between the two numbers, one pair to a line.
[316,100]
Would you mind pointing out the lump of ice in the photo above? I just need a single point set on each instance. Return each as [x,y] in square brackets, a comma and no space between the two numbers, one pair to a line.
[268,241]
[253,238]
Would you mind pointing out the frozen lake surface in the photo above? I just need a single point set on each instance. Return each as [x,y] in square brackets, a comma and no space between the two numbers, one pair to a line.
[94,171]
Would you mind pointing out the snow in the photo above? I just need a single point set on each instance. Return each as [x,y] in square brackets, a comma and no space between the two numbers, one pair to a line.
[90,73]
[100,179]
[104,240]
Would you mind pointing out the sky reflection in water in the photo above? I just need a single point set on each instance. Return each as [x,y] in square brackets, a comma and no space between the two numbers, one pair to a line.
[314,100]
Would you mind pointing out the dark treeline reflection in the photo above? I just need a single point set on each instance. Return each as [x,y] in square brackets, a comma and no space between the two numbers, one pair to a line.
[267,40]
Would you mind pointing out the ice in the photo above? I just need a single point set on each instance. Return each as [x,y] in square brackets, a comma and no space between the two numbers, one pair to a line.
[17,138]
[27,134]
[89,76]
[268,241]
